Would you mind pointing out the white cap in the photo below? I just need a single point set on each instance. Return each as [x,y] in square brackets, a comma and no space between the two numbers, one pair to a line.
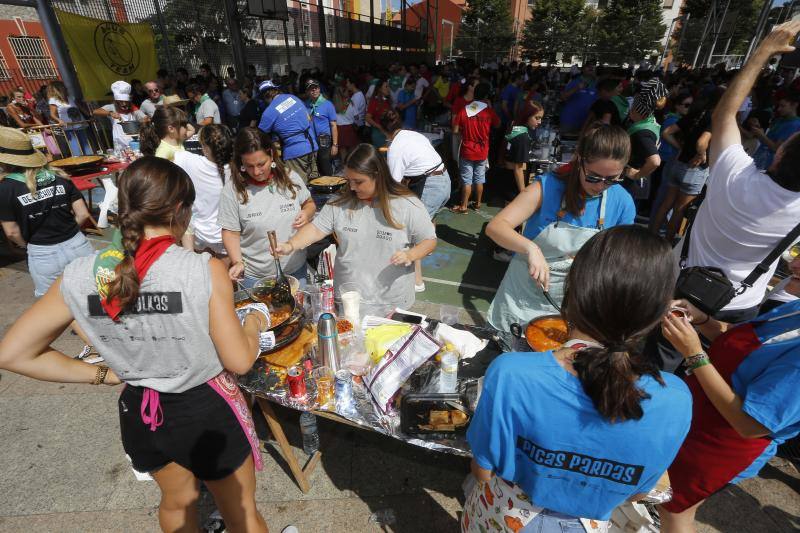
[121,90]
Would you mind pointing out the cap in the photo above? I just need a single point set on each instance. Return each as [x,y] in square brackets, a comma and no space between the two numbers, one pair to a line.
[646,100]
[121,91]
[266,85]
[311,83]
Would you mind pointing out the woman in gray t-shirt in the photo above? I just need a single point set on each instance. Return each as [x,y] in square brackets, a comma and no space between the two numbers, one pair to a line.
[262,195]
[381,227]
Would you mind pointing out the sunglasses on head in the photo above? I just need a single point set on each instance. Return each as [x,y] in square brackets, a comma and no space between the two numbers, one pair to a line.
[605,180]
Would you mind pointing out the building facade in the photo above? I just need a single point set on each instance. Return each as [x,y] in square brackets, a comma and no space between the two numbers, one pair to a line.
[25,57]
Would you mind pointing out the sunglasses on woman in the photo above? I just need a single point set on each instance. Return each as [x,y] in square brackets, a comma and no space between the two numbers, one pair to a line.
[605,180]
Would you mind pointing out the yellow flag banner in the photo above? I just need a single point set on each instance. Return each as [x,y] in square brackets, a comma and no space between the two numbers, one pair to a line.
[104,52]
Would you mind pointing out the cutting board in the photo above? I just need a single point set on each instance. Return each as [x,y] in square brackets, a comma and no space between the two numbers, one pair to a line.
[291,354]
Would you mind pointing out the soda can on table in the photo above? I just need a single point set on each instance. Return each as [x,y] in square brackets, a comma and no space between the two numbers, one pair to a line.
[295,378]
[343,391]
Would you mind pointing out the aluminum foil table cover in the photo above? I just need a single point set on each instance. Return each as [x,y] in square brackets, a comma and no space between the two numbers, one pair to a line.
[364,414]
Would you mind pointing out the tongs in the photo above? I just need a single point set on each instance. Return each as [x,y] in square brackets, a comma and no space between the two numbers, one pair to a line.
[281,292]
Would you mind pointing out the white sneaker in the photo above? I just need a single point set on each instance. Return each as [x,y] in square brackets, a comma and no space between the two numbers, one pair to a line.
[420,287]
[290,529]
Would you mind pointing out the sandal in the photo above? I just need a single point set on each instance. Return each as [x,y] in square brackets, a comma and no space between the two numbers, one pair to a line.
[460,210]
[475,205]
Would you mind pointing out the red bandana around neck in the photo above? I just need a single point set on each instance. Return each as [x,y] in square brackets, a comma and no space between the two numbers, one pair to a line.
[148,253]
[264,183]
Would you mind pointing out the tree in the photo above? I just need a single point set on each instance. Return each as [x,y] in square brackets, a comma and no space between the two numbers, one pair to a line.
[557,26]
[630,30]
[485,31]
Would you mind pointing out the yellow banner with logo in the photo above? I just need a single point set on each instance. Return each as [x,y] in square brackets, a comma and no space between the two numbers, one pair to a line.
[104,52]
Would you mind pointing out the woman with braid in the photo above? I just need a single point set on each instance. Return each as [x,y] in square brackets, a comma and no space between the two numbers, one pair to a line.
[209,173]
[163,318]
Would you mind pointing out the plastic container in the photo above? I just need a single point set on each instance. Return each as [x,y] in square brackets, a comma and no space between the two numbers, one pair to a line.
[308,428]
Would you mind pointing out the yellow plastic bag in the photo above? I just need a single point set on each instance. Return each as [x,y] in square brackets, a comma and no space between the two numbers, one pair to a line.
[378,339]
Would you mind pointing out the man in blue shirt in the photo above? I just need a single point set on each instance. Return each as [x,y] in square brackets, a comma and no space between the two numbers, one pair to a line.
[508,98]
[323,124]
[578,96]
[407,104]
[287,118]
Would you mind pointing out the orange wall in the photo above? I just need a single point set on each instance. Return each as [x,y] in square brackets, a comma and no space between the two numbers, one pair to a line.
[448,11]
[9,28]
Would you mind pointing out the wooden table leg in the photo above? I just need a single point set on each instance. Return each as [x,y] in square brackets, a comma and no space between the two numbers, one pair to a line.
[300,474]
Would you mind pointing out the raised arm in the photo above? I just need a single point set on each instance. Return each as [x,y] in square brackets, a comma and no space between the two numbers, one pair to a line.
[723,121]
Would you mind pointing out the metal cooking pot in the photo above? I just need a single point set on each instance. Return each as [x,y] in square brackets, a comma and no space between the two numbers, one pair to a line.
[519,333]
[130,127]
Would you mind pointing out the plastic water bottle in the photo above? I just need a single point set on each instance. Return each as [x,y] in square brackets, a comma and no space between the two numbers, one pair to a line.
[308,428]
[448,374]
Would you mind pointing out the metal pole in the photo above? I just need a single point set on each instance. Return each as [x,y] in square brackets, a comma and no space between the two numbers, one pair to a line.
[372,30]
[436,32]
[403,25]
[286,41]
[684,25]
[717,30]
[52,31]
[164,36]
[237,45]
[323,36]
[762,21]
[705,31]
[666,43]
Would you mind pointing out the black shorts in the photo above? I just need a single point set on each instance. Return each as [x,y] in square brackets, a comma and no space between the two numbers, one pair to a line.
[200,432]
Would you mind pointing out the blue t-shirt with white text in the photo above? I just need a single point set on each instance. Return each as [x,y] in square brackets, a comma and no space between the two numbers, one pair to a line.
[536,427]
[287,117]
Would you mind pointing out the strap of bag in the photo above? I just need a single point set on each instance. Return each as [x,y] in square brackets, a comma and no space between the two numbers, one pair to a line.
[764,265]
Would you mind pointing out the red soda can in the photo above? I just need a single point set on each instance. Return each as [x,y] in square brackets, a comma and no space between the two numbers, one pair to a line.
[328,304]
[295,377]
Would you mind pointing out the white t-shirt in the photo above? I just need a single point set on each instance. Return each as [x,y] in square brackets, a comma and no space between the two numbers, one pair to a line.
[422,83]
[148,107]
[357,109]
[411,154]
[744,216]
[207,188]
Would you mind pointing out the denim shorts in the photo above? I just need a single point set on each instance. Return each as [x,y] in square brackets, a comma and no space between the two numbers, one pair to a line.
[472,172]
[688,180]
[436,193]
[47,261]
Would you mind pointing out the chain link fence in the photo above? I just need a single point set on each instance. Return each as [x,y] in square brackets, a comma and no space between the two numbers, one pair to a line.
[189,33]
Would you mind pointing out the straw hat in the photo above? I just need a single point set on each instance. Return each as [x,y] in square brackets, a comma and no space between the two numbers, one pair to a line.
[16,149]
[174,99]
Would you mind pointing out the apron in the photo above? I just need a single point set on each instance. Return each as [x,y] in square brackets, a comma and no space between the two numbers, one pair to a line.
[497,505]
[226,386]
[714,453]
[518,298]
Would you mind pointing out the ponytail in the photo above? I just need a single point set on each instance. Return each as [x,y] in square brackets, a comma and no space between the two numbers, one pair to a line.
[125,285]
[219,141]
[603,298]
[152,131]
[148,138]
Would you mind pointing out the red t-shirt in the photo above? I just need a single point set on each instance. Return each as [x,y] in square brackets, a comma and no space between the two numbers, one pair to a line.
[475,132]
[377,107]
[458,104]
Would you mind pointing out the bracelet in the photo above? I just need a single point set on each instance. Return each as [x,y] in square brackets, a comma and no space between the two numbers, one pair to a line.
[708,317]
[100,375]
[693,362]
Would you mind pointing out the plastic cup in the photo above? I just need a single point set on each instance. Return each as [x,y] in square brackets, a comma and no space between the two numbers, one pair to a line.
[325,390]
[351,302]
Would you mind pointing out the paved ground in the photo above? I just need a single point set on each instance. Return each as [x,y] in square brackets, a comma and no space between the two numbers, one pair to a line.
[62,468]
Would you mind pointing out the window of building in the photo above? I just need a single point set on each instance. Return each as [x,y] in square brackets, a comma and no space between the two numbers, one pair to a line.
[5,73]
[33,58]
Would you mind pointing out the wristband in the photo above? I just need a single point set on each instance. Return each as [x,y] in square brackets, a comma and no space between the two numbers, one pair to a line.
[100,375]
[694,362]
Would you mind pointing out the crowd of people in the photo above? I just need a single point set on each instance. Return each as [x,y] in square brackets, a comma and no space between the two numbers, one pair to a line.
[702,386]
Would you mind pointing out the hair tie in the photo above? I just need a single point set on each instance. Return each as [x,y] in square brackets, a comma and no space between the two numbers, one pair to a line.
[616,347]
